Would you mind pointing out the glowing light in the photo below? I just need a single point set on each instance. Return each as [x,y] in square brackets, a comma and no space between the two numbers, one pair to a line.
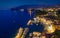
[35,20]
[50,29]
[50,10]
[24,33]
[20,31]
[37,34]
[29,22]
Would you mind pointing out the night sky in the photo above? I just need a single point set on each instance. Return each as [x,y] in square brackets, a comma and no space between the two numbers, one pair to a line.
[10,21]
[7,4]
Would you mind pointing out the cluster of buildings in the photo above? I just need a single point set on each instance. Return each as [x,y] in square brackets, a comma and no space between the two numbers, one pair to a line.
[50,20]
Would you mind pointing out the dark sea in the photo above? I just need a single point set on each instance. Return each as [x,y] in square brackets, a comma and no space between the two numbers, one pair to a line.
[11,21]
